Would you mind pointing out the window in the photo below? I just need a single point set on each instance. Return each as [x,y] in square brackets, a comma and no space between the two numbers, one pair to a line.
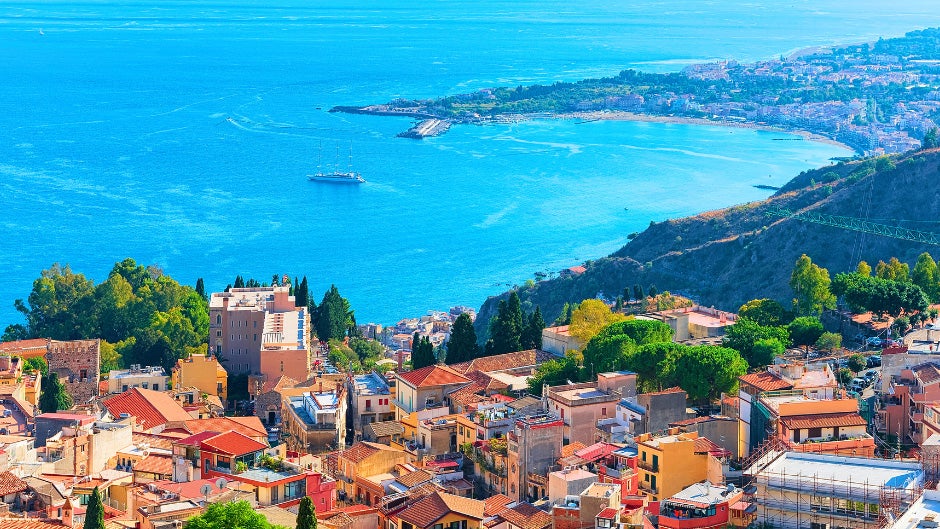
[274,494]
[562,413]
[438,526]
[124,387]
[603,412]
[218,319]
[218,333]
[218,349]
[255,326]
[282,366]
[643,456]
[368,402]
[144,385]
[255,336]
[156,387]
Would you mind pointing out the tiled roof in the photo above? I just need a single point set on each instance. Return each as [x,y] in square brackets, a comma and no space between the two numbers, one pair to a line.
[282,381]
[154,441]
[765,381]
[495,504]
[433,376]
[503,362]
[596,451]
[424,512]
[26,348]
[524,402]
[247,426]
[338,520]
[467,395]
[10,484]
[415,478]
[232,443]
[485,381]
[822,420]
[278,516]
[927,373]
[20,523]
[151,408]
[667,391]
[570,449]
[608,513]
[386,428]
[155,464]
[704,444]
[362,450]
[527,516]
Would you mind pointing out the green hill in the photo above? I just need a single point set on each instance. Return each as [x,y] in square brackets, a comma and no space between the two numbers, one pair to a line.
[726,257]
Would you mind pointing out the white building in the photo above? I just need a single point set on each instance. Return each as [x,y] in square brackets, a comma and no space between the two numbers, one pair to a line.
[797,490]
[150,377]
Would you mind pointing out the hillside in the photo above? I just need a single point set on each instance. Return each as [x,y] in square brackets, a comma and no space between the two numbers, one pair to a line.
[727,257]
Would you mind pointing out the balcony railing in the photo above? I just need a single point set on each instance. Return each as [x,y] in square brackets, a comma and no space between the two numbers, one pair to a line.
[649,467]
[645,486]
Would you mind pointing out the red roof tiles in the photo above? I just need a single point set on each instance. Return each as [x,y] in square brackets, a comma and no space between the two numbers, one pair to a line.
[10,484]
[232,443]
[822,420]
[424,512]
[765,381]
[433,376]
[151,408]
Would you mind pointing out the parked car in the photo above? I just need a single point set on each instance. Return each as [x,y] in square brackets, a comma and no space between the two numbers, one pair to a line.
[874,361]
[874,341]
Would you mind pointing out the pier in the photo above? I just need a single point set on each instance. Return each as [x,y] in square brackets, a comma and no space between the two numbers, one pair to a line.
[427,128]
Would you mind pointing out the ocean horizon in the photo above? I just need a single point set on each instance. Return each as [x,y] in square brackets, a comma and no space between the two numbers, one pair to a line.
[182,135]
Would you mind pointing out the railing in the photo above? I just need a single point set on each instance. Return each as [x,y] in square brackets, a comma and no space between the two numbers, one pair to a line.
[649,467]
[645,486]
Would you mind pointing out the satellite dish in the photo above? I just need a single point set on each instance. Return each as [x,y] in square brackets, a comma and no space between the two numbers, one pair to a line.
[205,490]
[221,483]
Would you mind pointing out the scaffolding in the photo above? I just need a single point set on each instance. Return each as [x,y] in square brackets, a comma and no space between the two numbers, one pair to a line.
[789,497]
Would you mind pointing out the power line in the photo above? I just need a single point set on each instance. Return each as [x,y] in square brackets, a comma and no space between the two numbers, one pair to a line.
[859,225]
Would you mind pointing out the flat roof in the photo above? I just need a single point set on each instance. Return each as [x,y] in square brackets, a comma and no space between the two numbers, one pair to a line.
[703,493]
[927,505]
[574,474]
[858,471]
[371,384]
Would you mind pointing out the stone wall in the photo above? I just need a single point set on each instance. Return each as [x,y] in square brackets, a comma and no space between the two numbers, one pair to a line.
[78,363]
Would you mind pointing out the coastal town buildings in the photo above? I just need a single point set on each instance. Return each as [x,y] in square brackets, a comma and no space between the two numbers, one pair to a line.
[204,372]
[149,377]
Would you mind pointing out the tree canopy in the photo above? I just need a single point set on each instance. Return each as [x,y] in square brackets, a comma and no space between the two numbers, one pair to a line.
[706,371]
[881,296]
[810,284]
[745,333]
[53,396]
[94,513]
[230,515]
[422,352]
[462,346]
[306,517]
[333,317]
[134,309]
[766,312]
[805,331]
[590,317]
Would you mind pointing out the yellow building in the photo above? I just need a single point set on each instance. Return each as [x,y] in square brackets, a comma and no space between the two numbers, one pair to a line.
[670,463]
[440,510]
[362,460]
[203,372]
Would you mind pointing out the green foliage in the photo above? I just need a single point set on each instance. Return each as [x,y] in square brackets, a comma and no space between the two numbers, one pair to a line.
[863,269]
[553,373]
[931,140]
[366,351]
[462,346]
[333,318]
[36,364]
[14,332]
[894,270]
[706,371]
[766,349]
[53,395]
[342,356]
[805,330]
[531,337]
[640,331]
[655,365]
[422,352]
[767,312]
[745,333]
[151,315]
[607,353]
[94,513]
[506,327]
[229,515]
[856,363]
[879,295]
[306,517]
[844,375]
[927,276]
[591,316]
[829,341]
[810,284]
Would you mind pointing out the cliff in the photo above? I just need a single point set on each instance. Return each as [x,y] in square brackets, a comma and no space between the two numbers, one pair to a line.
[726,257]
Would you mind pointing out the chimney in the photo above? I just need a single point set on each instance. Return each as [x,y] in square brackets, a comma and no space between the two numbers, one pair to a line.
[68,513]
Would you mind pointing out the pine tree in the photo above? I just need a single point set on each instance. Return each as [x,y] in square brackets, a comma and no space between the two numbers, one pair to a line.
[535,324]
[94,513]
[638,292]
[506,328]
[333,316]
[275,280]
[306,517]
[462,346]
[53,396]
[422,352]
[653,291]
[239,282]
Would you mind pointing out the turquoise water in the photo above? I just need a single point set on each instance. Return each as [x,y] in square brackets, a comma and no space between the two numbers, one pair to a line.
[181,135]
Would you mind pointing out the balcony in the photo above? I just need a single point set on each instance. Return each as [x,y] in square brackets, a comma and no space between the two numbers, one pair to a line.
[647,488]
[647,466]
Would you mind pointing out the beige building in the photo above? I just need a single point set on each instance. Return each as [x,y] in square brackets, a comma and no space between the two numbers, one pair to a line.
[202,372]
[428,387]
[558,340]
[315,421]
[260,331]
[150,377]
[580,406]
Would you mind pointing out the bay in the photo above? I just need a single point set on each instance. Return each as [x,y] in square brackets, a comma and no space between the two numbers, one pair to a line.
[180,134]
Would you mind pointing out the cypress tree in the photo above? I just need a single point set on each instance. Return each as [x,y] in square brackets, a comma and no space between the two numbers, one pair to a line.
[53,396]
[306,517]
[638,292]
[94,514]
[239,282]
[462,346]
[201,289]
[532,334]
[331,321]
[653,291]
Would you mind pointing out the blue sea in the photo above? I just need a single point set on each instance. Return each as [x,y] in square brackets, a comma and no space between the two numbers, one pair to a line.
[180,133]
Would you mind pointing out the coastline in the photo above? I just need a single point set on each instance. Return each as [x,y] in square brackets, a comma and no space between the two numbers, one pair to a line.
[682,120]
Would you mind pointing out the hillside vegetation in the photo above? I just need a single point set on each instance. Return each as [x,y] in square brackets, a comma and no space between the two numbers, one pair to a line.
[726,257]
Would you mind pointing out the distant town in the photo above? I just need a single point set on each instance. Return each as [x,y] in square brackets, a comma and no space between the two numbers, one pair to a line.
[881,97]
[644,411]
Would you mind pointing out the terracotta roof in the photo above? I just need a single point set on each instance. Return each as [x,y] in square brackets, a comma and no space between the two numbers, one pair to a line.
[155,441]
[151,408]
[337,520]
[247,426]
[765,381]
[927,373]
[608,513]
[20,523]
[667,391]
[496,504]
[487,382]
[413,479]
[362,450]
[596,451]
[155,464]
[468,395]
[433,376]
[278,516]
[10,484]
[26,348]
[570,449]
[424,512]
[822,420]
[232,443]
[704,444]
[503,362]
[282,381]
[527,516]
[386,428]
